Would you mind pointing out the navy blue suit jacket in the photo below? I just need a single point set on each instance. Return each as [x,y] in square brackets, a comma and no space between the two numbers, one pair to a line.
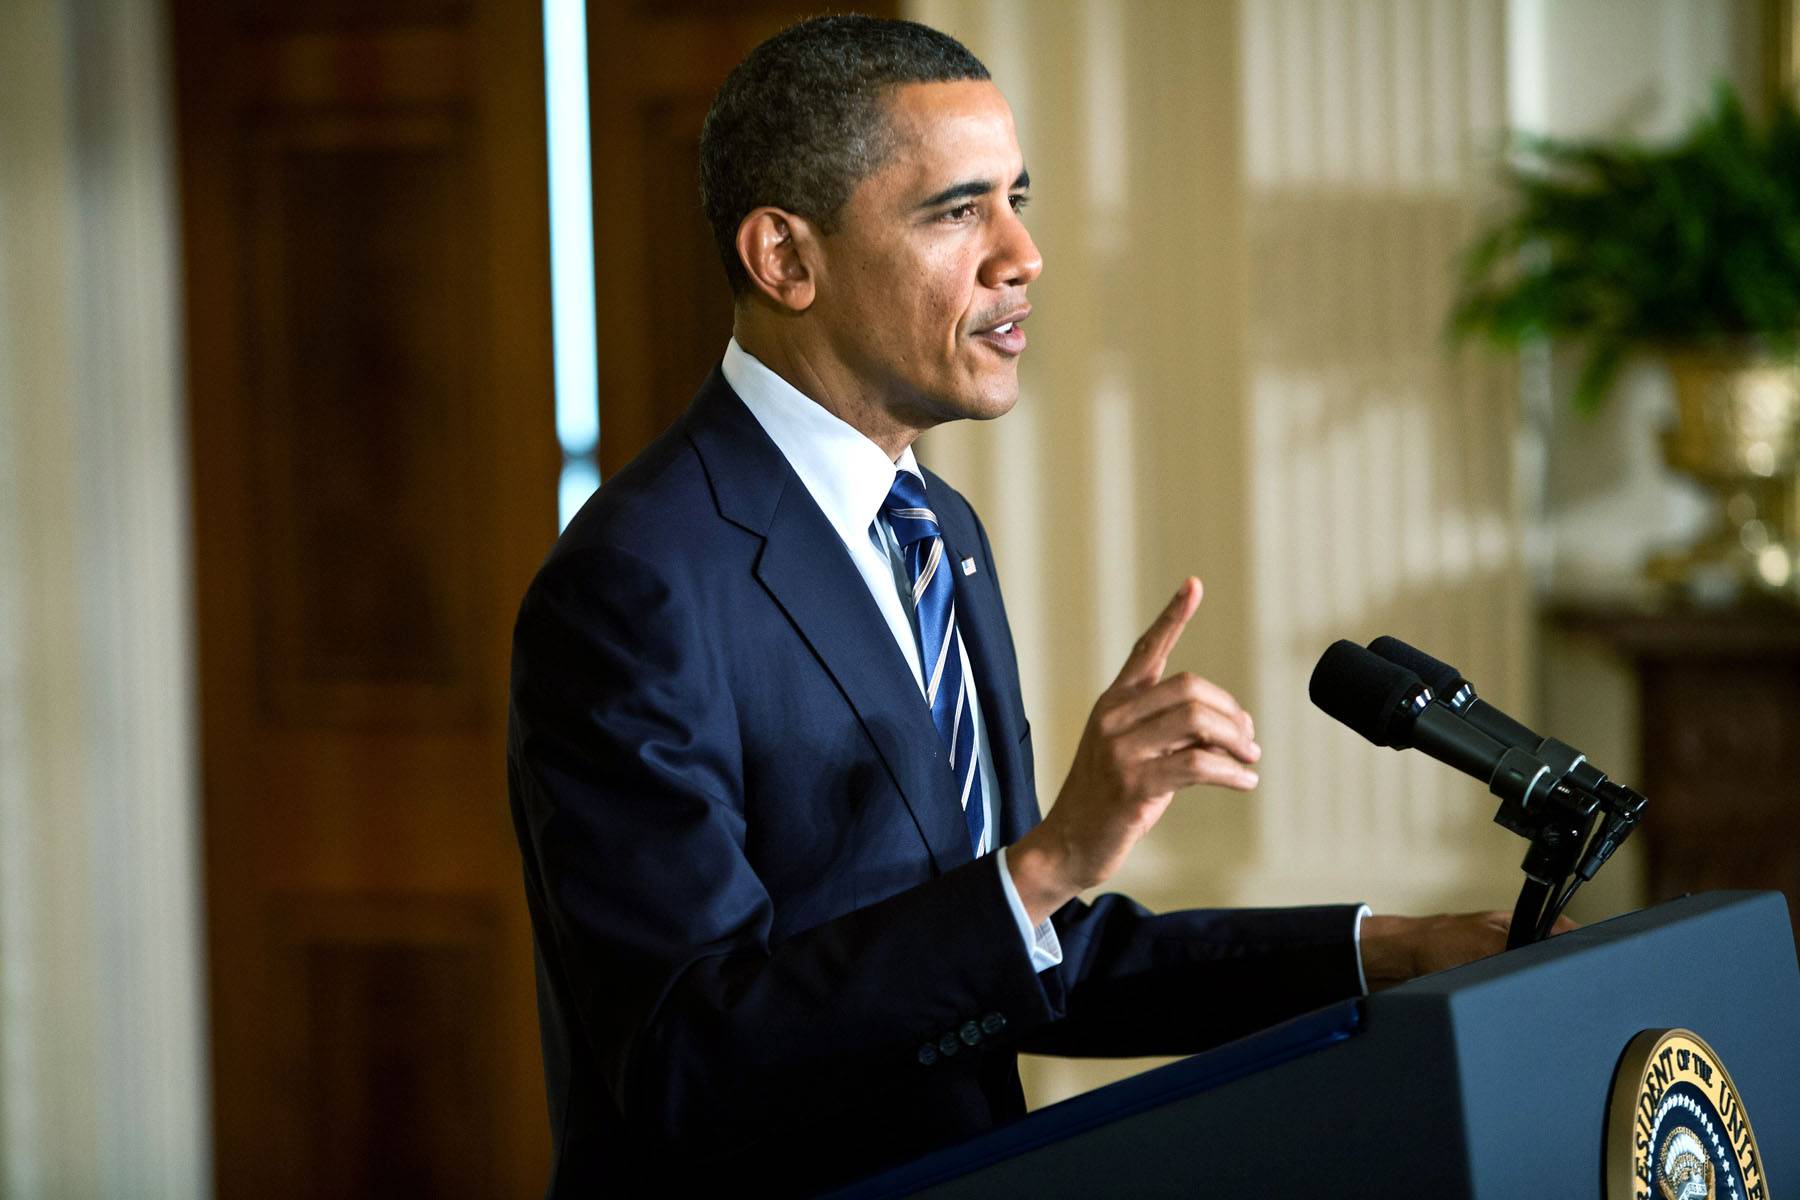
[749,880]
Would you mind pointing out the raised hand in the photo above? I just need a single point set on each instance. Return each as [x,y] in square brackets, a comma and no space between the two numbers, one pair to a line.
[1147,738]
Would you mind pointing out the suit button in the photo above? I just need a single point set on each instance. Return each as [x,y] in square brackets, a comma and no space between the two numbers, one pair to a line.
[927,1054]
[993,1023]
[970,1033]
[948,1044]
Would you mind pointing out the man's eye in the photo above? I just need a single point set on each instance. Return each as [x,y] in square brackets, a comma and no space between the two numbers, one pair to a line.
[1020,201]
[961,212]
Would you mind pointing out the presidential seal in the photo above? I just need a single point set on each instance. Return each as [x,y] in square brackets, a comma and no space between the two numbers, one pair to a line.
[1676,1128]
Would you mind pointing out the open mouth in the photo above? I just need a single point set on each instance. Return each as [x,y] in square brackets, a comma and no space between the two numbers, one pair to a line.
[1006,337]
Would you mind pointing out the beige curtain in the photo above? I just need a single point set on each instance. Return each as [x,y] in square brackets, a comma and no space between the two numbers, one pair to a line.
[102,1062]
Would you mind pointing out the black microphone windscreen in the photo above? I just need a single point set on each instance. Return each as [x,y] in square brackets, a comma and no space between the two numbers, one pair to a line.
[1364,691]
[1439,676]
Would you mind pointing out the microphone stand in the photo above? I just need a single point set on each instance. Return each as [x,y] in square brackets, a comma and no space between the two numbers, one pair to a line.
[1558,827]
[1623,809]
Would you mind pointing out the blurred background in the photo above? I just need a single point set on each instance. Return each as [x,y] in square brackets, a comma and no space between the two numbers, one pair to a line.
[316,319]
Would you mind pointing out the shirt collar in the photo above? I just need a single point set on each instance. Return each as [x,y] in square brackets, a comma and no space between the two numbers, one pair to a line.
[847,475]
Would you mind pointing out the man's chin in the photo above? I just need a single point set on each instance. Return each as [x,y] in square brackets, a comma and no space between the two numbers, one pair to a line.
[991,396]
[997,406]
[982,407]
[976,399]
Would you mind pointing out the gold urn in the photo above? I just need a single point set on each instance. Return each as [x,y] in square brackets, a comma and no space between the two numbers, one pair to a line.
[1737,432]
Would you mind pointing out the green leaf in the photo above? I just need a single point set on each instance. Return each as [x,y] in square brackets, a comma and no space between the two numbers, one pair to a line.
[1625,245]
[1597,376]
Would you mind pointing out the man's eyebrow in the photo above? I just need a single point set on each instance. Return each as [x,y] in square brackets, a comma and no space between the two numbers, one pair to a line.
[970,189]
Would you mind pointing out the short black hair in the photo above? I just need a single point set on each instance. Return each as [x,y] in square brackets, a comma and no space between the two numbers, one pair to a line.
[800,122]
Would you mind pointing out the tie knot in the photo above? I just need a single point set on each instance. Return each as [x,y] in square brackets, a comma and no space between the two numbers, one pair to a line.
[906,512]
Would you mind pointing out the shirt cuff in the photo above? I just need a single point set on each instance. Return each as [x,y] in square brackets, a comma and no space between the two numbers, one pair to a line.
[1042,943]
[1362,980]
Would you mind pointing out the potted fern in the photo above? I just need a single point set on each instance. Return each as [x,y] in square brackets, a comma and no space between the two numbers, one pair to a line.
[1689,251]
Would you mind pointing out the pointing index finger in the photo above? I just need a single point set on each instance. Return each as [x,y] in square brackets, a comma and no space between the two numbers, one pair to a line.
[1145,664]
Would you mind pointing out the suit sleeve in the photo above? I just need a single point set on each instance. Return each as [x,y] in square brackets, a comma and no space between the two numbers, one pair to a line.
[626,769]
[1141,983]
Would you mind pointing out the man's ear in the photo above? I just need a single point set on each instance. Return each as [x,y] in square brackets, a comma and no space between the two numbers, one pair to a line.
[776,250]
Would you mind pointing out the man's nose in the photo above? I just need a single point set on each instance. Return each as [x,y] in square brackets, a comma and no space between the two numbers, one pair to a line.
[1014,260]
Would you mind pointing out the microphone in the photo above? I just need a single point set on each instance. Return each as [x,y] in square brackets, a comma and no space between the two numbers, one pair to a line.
[1458,695]
[1392,706]
[1623,807]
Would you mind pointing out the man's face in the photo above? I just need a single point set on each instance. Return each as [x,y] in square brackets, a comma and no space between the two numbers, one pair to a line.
[922,285]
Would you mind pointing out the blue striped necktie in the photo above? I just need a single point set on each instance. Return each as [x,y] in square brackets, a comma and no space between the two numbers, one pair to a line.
[940,655]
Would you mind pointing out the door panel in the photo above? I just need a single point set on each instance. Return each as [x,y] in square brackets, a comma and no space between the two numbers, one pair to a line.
[364,215]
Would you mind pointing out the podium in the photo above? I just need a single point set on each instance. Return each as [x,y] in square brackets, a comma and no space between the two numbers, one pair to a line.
[1490,1080]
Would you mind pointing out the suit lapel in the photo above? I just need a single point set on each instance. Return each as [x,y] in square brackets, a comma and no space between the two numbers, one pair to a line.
[806,570]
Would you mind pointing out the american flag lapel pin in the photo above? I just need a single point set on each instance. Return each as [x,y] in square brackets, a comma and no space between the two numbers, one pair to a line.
[968,566]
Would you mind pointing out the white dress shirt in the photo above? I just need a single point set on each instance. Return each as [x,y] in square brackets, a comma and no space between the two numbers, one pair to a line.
[848,477]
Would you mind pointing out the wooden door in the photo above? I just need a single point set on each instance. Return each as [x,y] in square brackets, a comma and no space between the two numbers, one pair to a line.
[374,461]
[364,213]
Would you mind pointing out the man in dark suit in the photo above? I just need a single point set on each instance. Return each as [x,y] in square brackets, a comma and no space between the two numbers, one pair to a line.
[795,909]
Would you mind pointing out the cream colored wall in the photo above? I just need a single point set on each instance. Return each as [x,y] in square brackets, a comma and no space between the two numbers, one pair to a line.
[1386,499]
[102,1049]
[1246,213]
[1122,468]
